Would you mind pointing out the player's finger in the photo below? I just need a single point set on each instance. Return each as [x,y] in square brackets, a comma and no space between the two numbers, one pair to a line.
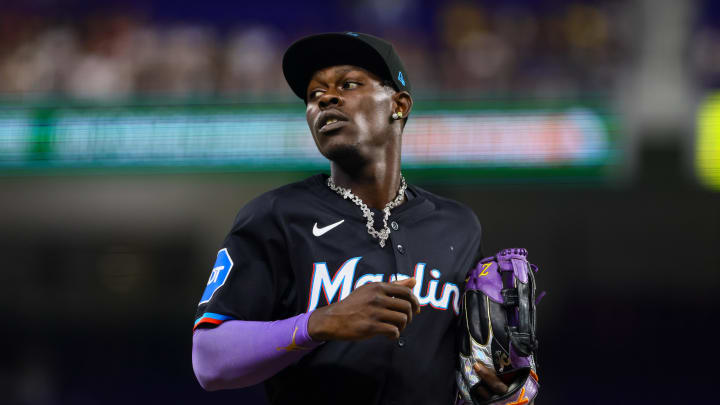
[400,291]
[399,305]
[490,379]
[386,329]
[395,318]
[408,282]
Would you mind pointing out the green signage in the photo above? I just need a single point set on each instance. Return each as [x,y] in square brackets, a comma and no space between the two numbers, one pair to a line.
[267,136]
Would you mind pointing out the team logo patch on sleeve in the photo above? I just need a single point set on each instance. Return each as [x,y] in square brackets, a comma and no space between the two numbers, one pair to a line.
[218,276]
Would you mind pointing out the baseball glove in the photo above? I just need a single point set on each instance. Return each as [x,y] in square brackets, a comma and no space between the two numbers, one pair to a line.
[498,328]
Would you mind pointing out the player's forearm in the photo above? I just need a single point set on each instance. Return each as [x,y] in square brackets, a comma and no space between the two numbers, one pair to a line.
[238,354]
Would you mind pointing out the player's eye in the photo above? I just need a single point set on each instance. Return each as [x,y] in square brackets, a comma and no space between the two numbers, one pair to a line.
[349,85]
[314,94]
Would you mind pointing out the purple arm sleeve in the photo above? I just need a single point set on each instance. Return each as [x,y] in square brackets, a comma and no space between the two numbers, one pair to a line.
[238,354]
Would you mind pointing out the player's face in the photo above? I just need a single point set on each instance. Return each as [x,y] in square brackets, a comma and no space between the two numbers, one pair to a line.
[348,112]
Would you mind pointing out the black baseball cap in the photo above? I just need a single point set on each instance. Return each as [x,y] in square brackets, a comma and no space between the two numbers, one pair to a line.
[309,54]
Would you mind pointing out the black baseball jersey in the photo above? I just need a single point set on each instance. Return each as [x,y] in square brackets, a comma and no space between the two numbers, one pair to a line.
[302,246]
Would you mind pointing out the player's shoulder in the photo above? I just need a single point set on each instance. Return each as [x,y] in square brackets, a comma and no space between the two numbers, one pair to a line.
[273,203]
[298,189]
[451,209]
[443,203]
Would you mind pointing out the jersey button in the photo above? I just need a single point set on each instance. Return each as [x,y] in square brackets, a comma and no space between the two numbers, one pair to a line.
[401,249]
[401,342]
[394,225]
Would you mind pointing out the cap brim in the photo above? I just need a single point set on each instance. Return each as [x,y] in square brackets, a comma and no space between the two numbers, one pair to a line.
[310,54]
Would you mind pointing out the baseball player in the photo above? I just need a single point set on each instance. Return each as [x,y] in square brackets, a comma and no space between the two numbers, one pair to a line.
[343,288]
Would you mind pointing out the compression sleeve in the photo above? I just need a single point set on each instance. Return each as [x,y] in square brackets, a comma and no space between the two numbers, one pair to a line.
[238,353]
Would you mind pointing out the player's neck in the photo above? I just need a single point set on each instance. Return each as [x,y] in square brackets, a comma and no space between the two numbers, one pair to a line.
[376,184]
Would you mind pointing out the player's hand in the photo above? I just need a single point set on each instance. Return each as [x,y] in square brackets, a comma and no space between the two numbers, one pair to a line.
[490,380]
[372,309]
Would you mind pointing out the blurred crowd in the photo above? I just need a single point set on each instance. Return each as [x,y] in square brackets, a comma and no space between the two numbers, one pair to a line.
[704,50]
[474,46]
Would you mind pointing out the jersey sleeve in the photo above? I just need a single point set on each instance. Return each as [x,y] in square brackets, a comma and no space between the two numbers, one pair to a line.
[251,276]
[477,231]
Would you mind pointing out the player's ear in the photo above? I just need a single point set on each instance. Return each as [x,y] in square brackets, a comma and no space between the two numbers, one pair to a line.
[402,103]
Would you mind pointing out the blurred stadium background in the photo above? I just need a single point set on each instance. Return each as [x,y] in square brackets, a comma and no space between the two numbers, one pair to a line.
[132,131]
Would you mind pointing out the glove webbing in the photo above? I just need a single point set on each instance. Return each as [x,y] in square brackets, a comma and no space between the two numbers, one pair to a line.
[520,307]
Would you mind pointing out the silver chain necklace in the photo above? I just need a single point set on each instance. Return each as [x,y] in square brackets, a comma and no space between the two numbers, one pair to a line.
[384,233]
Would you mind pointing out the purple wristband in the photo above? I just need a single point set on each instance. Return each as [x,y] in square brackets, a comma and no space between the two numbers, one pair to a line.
[238,354]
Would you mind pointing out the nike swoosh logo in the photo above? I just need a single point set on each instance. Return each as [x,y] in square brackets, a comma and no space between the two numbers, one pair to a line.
[322,231]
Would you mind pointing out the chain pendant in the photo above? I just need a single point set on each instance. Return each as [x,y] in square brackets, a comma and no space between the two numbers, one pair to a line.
[384,233]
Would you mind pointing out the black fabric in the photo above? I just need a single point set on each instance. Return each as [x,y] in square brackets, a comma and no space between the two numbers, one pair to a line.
[307,55]
[276,257]
[253,243]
